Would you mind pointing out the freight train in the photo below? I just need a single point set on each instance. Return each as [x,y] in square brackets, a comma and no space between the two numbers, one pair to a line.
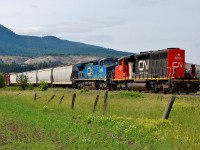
[154,71]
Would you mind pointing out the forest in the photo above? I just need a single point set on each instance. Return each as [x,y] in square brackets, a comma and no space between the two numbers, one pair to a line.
[14,67]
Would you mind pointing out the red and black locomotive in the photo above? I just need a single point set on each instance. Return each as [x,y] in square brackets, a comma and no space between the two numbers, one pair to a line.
[156,71]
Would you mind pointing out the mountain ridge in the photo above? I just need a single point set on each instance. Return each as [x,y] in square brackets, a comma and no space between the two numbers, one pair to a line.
[23,45]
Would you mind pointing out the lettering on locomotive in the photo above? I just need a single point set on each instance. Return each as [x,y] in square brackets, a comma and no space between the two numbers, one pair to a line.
[177,65]
[143,65]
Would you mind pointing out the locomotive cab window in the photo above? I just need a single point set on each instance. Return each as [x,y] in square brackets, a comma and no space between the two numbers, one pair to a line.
[125,62]
[101,63]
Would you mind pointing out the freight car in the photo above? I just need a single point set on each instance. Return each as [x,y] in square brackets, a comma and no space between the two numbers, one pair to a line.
[155,71]
[59,76]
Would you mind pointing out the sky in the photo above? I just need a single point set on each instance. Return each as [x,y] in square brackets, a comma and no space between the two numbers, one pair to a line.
[126,25]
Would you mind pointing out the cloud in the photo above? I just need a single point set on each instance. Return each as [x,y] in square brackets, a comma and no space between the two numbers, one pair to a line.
[72,27]
[36,30]
[101,38]
[15,14]
[197,45]
[34,6]
[142,3]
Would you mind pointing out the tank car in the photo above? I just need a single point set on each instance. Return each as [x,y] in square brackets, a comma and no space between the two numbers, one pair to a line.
[156,71]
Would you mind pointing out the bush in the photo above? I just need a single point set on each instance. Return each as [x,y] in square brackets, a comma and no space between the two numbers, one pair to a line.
[22,82]
[30,86]
[2,82]
[128,94]
[43,86]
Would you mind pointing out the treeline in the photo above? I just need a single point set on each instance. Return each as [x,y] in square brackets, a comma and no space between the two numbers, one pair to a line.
[14,67]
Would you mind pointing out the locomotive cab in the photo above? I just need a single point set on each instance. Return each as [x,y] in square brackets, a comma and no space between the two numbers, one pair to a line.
[125,64]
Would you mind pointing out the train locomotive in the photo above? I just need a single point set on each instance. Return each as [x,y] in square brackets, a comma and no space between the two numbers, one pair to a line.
[154,71]
[95,74]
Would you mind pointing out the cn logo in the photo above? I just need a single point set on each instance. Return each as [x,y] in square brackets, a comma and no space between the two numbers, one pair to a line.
[177,65]
[143,65]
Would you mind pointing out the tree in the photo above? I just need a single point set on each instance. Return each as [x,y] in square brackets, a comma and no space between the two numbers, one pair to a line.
[22,82]
[2,82]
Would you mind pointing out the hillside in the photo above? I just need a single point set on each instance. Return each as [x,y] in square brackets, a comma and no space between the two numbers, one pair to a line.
[23,45]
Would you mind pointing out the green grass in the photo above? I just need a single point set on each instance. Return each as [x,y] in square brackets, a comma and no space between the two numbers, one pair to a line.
[132,121]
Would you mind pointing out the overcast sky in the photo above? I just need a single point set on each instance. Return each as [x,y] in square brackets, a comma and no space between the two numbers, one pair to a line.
[127,25]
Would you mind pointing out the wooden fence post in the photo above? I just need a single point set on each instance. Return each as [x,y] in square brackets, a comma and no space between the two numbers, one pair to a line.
[105,102]
[61,99]
[51,98]
[35,96]
[73,100]
[95,103]
[168,108]
[18,94]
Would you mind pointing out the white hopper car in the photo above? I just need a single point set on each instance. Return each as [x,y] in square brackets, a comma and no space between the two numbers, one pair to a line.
[53,76]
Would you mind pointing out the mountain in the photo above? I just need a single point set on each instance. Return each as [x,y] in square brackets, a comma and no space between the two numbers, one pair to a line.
[22,45]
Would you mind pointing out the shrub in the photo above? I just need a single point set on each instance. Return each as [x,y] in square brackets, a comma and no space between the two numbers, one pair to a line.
[30,86]
[22,82]
[43,86]
[128,94]
[84,90]
[45,108]
[2,82]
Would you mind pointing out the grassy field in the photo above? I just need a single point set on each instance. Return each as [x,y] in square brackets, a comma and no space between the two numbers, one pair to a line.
[132,121]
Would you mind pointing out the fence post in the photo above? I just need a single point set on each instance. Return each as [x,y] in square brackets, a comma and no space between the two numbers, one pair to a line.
[168,108]
[105,102]
[51,98]
[35,96]
[95,103]
[73,100]
[18,94]
[61,100]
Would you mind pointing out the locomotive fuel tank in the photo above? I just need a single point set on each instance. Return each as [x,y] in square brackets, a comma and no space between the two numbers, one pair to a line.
[138,86]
